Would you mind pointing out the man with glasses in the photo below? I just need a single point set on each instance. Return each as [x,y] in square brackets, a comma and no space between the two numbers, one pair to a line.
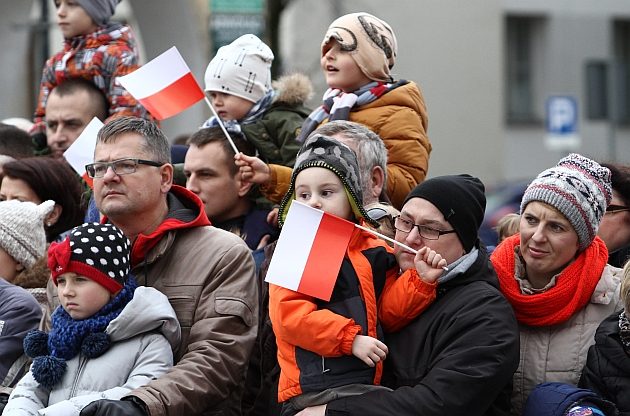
[459,355]
[614,228]
[207,274]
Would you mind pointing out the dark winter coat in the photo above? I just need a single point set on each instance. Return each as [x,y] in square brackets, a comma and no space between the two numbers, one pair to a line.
[19,313]
[456,358]
[607,369]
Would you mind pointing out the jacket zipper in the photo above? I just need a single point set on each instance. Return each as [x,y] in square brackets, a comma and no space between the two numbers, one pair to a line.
[324,369]
[82,362]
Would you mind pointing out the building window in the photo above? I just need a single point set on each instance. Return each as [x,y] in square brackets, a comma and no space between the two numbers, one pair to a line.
[523,43]
[597,73]
[621,31]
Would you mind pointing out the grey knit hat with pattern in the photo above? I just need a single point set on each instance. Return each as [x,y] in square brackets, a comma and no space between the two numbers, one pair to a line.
[325,152]
[22,233]
[579,188]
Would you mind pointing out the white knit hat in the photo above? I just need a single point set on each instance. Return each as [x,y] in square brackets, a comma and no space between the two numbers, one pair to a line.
[22,233]
[242,68]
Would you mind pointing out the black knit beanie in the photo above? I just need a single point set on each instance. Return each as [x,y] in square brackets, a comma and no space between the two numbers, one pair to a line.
[462,201]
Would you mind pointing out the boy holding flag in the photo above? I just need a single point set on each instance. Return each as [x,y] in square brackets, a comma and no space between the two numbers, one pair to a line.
[331,349]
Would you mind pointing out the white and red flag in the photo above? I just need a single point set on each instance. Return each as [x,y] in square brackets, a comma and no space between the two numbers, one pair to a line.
[164,86]
[81,152]
[309,252]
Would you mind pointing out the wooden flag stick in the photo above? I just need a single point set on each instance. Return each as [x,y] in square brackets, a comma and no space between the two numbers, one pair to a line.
[384,237]
[227,135]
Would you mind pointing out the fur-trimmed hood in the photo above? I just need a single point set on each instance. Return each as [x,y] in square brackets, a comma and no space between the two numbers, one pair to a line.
[293,89]
[35,276]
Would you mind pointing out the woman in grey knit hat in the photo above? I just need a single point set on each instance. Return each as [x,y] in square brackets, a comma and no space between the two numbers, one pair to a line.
[554,273]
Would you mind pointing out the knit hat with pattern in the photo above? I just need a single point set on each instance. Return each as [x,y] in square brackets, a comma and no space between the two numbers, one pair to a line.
[97,251]
[22,233]
[321,151]
[99,10]
[579,188]
[242,68]
[370,42]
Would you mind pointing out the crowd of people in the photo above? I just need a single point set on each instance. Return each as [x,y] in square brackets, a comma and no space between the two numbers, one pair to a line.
[140,290]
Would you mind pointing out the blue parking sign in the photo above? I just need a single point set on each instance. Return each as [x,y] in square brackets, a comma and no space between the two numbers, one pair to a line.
[562,119]
[561,115]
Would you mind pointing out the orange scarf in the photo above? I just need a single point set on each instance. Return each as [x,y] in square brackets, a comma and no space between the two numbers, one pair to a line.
[573,290]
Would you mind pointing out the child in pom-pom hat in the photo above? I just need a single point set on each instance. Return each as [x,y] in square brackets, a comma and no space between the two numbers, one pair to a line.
[108,336]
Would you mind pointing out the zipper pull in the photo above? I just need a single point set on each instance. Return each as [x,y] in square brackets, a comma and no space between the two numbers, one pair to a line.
[324,369]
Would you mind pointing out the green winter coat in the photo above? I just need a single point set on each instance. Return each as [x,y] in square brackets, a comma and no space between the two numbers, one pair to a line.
[274,134]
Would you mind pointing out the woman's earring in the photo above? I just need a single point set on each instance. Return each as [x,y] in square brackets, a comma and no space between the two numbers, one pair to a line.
[48,224]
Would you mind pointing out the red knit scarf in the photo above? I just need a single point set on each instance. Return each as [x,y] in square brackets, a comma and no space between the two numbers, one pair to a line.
[573,289]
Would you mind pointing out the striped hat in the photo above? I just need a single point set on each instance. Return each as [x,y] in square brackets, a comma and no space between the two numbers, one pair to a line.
[579,188]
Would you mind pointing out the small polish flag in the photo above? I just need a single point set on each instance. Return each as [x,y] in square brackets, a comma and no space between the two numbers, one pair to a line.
[164,86]
[81,152]
[309,252]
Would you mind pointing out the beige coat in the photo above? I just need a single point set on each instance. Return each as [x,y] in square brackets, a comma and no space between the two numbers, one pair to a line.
[208,276]
[558,353]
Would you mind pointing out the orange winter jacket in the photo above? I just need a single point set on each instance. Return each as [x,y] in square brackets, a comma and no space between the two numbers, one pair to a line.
[315,337]
[400,119]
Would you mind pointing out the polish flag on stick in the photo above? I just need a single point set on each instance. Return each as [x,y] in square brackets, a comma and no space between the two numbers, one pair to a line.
[220,122]
[309,252]
[81,152]
[164,86]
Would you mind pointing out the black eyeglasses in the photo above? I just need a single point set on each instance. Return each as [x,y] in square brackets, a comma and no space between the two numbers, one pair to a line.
[404,225]
[611,209]
[120,167]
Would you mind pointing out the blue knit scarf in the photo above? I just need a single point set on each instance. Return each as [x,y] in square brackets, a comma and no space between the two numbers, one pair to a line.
[70,337]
